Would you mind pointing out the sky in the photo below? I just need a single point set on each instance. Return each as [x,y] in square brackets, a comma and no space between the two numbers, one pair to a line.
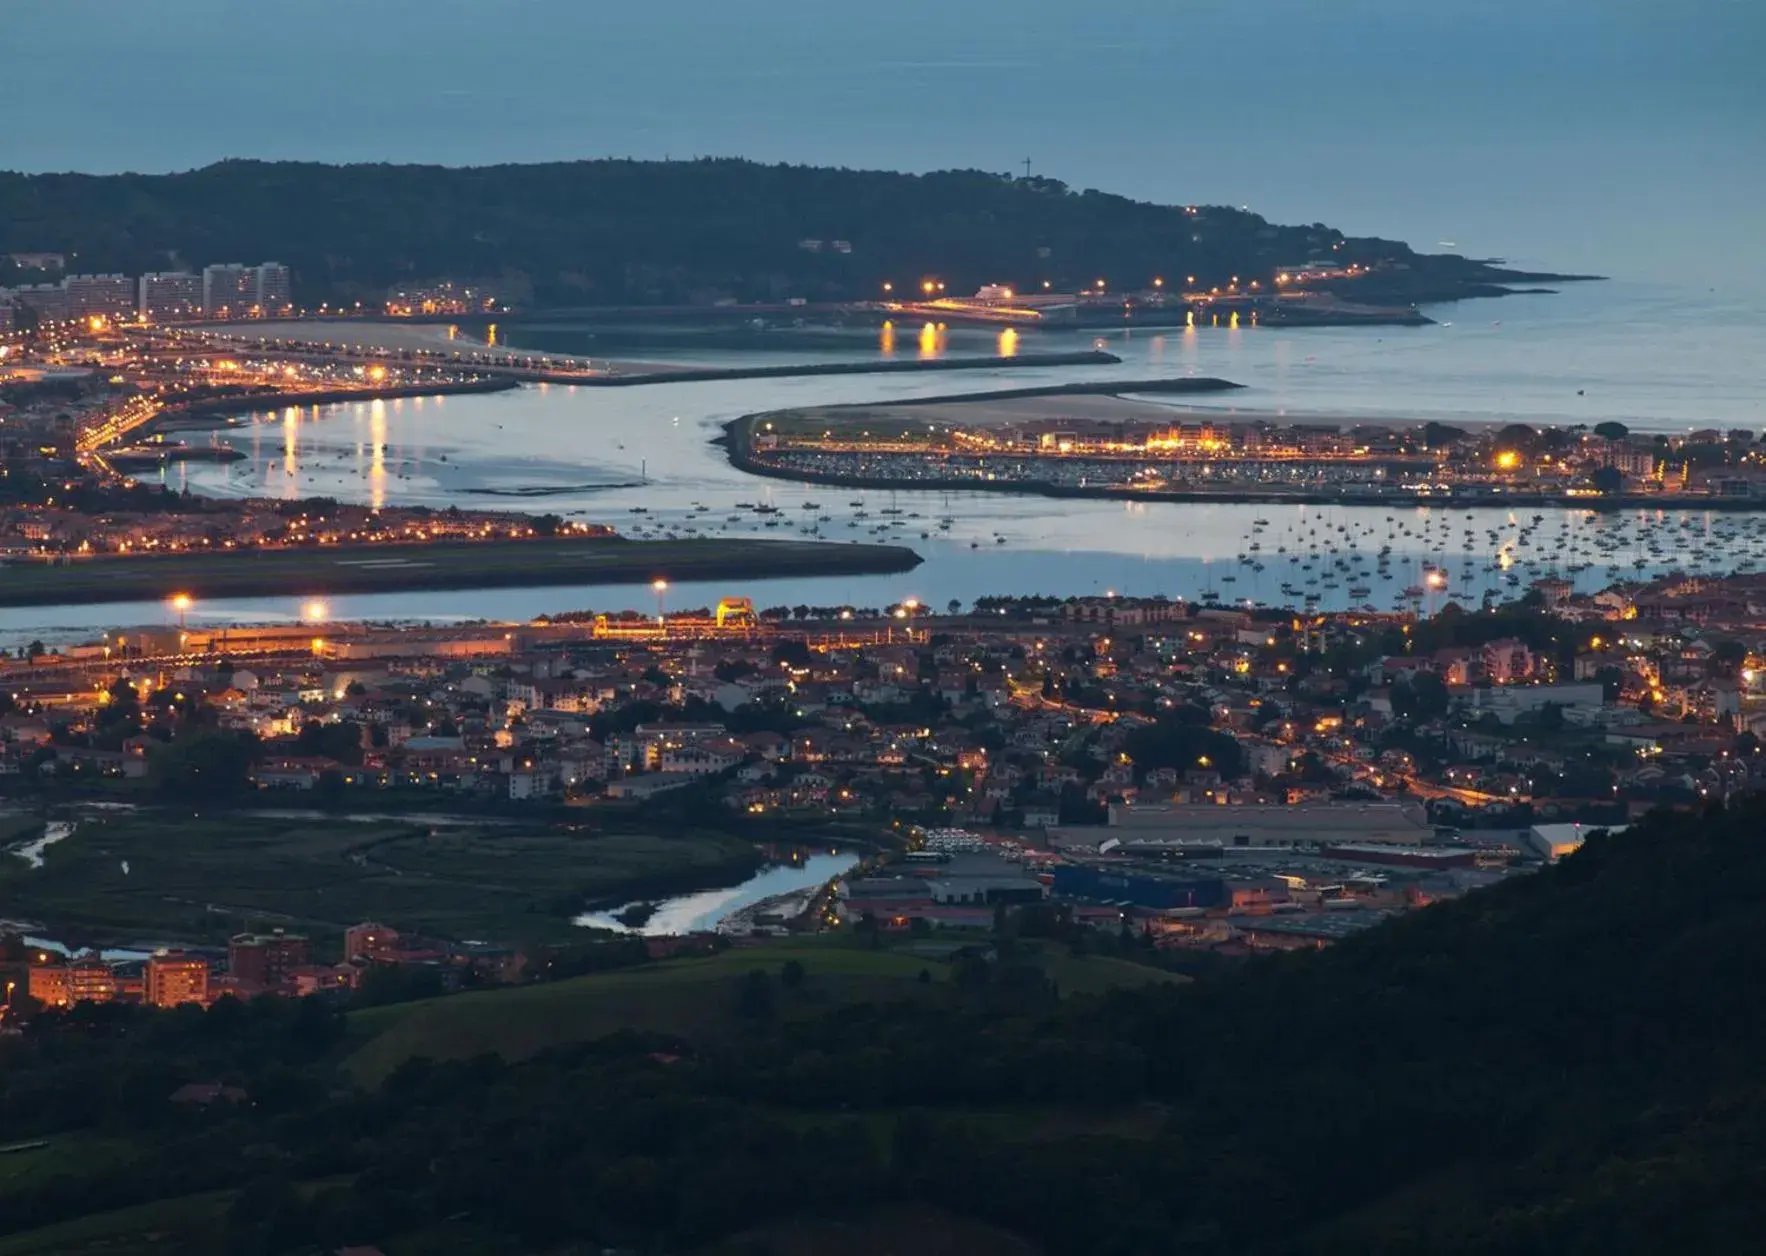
[1626,137]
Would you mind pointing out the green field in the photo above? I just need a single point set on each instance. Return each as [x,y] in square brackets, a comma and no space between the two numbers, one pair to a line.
[1096,974]
[155,876]
[444,565]
[677,996]
[684,996]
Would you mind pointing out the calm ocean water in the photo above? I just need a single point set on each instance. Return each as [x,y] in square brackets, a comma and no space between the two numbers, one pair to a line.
[1654,357]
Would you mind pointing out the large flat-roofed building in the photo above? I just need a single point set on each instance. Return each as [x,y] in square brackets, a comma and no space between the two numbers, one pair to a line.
[1138,887]
[175,978]
[264,960]
[1179,825]
[169,296]
[1554,841]
[48,985]
[92,980]
[370,941]
[100,296]
[48,262]
[47,302]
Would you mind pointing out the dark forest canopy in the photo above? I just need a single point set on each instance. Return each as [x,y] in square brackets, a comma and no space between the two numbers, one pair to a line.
[1566,1063]
[646,232]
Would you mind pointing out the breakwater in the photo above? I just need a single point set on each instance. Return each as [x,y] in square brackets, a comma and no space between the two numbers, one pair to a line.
[691,375]
[336,570]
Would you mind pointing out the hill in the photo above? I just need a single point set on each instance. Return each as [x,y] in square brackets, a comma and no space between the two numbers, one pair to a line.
[1567,1063]
[687,232]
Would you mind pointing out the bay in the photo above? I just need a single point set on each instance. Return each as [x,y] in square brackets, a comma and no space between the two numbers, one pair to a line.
[1655,357]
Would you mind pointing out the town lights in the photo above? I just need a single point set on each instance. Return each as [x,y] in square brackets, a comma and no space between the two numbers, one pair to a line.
[1507,460]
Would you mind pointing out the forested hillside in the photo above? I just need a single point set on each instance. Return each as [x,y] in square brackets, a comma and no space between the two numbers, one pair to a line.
[623,232]
[1568,1063]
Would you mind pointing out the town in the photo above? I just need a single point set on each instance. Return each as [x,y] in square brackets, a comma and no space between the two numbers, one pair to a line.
[1212,779]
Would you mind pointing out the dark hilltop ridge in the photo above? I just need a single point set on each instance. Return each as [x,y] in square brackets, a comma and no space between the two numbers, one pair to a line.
[685,233]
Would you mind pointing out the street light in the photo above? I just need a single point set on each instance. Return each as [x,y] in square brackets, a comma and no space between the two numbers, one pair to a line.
[661,587]
[315,611]
[181,604]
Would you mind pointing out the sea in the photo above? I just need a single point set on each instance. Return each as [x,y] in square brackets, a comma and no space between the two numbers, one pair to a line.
[1655,357]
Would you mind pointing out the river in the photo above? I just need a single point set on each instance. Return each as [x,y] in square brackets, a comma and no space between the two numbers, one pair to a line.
[704,910]
[1656,358]
[32,852]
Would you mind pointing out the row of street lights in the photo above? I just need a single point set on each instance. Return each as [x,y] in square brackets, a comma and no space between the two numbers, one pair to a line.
[932,287]
[317,611]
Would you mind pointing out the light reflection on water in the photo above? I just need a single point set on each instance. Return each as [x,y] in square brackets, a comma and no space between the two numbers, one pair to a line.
[1655,358]
[691,913]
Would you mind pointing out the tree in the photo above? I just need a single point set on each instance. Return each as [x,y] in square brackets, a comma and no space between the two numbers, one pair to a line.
[341,741]
[1421,696]
[202,767]
[1727,655]
[1611,430]
[755,996]
[954,606]
[1440,435]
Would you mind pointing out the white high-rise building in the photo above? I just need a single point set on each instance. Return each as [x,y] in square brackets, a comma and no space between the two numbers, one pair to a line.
[274,289]
[228,290]
[100,296]
[170,296]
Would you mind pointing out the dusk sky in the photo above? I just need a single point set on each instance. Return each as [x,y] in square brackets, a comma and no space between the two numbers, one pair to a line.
[1622,136]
